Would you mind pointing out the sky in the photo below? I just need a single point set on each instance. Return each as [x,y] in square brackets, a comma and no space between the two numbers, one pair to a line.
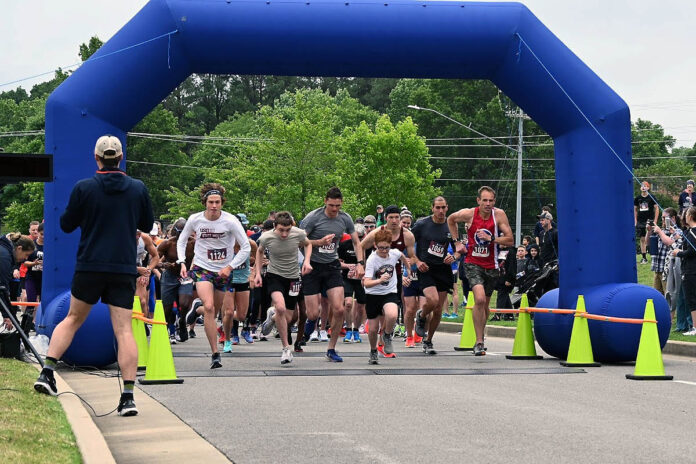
[640,48]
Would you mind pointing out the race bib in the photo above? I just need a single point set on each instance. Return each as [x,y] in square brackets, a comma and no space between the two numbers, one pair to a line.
[481,251]
[437,249]
[413,275]
[295,287]
[218,254]
[241,266]
[330,248]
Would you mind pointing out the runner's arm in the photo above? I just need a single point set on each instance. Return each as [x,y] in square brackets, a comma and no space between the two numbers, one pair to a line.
[244,248]
[306,265]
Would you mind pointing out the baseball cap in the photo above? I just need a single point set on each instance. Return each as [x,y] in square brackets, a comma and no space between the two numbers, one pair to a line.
[370,218]
[108,147]
[545,215]
[359,220]
[243,219]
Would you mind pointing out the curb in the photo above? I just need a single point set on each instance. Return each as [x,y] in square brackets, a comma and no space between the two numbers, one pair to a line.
[90,440]
[673,347]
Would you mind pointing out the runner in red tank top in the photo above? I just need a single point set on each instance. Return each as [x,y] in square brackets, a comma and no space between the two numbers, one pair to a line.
[488,227]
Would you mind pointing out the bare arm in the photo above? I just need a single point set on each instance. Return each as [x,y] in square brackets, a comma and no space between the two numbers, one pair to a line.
[410,242]
[152,251]
[306,265]
[368,242]
[463,215]
[359,268]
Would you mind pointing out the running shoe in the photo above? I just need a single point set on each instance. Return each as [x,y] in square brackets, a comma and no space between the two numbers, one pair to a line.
[388,345]
[192,333]
[234,339]
[191,316]
[172,339]
[420,323]
[126,406]
[417,339]
[46,383]
[227,348]
[643,261]
[410,343]
[428,348]
[177,338]
[690,332]
[254,335]
[268,324]
[349,336]
[332,356]
[247,336]
[286,357]
[356,337]
[361,329]
[199,321]
[323,336]
[215,362]
[380,349]
[222,338]
[373,357]
[298,348]
[479,350]
[309,329]
[314,337]
[445,316]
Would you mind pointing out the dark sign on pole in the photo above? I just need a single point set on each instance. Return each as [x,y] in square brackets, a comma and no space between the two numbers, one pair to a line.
[25,167]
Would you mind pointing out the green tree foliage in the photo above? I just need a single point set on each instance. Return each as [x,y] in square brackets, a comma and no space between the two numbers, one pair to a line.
[19,213]
[649,143]
[90,48]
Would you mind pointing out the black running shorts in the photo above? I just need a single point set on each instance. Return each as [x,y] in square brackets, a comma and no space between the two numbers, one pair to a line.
[354,287]
[439,276]
[113,289]
[375,304]
[323,276]
[290,288]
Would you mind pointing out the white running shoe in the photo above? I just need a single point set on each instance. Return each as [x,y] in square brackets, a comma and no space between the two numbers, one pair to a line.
[269,323]
[323,336]
[690,332]
[314,337]
[286,357]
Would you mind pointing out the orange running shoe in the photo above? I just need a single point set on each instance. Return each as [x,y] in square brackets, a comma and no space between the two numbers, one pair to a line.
[416,338]
[410,343]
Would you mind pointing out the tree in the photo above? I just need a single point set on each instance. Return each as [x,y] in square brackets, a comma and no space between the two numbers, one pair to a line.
[20,213]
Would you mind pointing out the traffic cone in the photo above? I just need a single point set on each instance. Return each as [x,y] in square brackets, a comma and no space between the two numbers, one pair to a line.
[649,364]
[523,347]
[160,363]
[139,335]
[580,349]
[468,338]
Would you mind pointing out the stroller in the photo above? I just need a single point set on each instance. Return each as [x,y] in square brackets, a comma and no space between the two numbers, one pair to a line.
[533,284]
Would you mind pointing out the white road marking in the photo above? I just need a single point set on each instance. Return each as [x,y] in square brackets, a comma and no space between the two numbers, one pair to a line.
[685,382]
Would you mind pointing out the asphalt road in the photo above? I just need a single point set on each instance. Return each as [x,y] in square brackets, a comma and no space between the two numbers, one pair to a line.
[497,411]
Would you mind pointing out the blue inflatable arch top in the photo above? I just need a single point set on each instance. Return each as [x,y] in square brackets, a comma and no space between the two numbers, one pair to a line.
[502,42]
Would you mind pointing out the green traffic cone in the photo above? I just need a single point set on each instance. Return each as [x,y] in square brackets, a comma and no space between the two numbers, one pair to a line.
[580,349]
[139,335]
[468,338]
[649,364]
[160,363]
[523,347]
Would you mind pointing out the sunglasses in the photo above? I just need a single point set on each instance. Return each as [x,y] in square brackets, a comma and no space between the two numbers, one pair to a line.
[369,224]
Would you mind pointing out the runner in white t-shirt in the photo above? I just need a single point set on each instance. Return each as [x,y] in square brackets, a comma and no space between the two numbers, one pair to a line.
[216,234]
[382,297]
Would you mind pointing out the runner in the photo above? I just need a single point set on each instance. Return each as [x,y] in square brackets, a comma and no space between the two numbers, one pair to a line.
[354,307]
[487,228]
[145,248]
[324,227]
[216,232]
[382,295]
[175,288]
[236,313]
[283,276]
[434,271]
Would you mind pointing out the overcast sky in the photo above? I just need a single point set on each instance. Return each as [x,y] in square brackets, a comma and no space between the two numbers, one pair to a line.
[641,48]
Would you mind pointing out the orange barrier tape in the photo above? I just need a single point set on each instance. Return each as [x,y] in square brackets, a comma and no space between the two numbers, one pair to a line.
[507,311]
[24,303]
[624,320]
[596,317]
[551,310]
[148,321]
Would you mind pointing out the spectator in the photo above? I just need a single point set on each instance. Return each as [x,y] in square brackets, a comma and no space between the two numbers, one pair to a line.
[687,198]
[645,212]
[549,248]
[533,263]
[669,216]
[527,241]
[508,269]
[688,268]
[380,216]
[538,228]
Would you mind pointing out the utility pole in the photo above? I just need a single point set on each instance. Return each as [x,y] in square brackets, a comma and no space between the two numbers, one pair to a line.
[519,114]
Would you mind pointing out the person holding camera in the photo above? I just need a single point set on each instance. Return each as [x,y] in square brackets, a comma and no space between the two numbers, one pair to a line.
[688,265]
[645,211]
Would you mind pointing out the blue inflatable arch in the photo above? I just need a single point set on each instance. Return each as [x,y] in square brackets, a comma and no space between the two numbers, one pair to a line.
[502,42]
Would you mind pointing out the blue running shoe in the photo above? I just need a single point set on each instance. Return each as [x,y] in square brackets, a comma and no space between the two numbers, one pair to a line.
[309,328]
[247,336]
[349,336]
[235,339]
[227,347]
[445,316]
[332,356]
[356,337]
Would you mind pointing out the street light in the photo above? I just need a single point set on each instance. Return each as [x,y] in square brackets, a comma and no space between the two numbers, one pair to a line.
[518,213]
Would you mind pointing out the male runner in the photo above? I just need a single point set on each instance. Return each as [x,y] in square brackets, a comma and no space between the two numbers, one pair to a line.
[485,224]
[354,307]
[283,275]
[238,312]
[434,270]
[325,226]
[216,232]
[108,209]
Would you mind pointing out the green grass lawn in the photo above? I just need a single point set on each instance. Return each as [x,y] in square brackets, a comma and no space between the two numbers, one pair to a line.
[34,427]
[645,277]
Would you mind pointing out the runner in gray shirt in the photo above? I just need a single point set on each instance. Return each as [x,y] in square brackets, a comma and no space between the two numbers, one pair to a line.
[283,276]
[325,227]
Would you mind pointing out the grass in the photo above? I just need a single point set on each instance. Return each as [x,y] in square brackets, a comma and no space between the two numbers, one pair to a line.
[34,427]
[645,277]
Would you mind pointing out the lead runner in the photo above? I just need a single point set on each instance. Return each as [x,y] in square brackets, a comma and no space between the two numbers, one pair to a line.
[484,223]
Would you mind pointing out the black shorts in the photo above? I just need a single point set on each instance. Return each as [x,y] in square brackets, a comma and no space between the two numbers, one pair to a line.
[290,288]
[439,276]
[689,286]
[323,276]
[413,290]
[375,304]
[476,275]
[640,229]
[172,286]
[241,287]
[113,289]
[353,286]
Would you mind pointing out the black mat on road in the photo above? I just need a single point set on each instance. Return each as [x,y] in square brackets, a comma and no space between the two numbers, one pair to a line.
[344,354]
[292,372]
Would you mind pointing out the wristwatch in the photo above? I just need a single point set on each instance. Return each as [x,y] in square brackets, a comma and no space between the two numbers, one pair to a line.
[361,262]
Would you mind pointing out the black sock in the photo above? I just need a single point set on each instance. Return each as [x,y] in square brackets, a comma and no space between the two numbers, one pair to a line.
[128,386]
[644,256]
[373,351]
[50,363]
[235,328]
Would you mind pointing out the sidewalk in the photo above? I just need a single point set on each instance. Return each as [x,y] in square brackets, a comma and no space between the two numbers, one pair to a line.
[154,436]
